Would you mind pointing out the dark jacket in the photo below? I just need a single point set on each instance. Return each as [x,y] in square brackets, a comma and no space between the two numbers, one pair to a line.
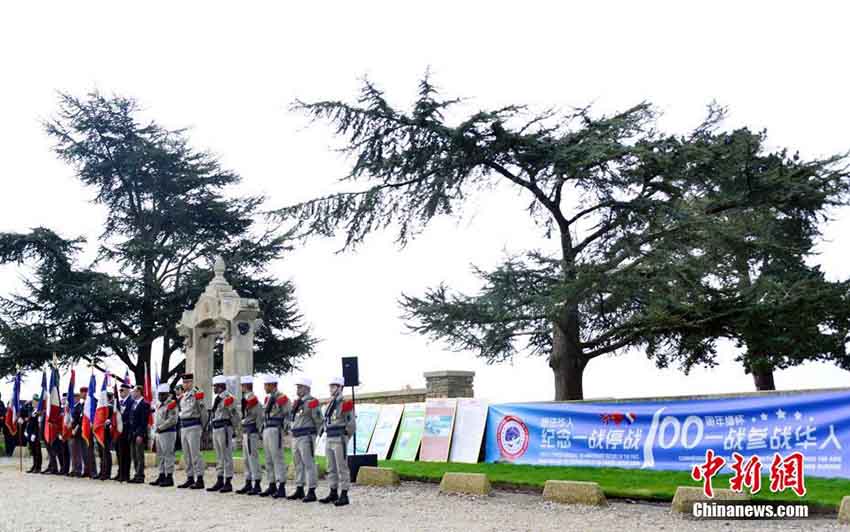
[124,406]
[77,421]
[139,419]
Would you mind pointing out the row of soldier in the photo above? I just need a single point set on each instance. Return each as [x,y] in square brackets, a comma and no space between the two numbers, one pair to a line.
[183,409]
[301,418]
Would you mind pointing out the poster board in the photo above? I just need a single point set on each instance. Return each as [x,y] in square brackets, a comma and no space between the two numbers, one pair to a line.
[410,432]
[437,434]
[367,417]
[468,434]
[385,429]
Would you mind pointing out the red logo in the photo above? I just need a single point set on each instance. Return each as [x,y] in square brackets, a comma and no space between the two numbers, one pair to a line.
[512,436]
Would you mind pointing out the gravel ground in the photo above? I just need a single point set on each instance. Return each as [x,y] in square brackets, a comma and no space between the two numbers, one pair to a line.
[79,504]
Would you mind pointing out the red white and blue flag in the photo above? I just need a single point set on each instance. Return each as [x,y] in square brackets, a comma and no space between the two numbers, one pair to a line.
[68,418]
[12,410]
[101,416]
[89,408]
[53,409]
[39,408]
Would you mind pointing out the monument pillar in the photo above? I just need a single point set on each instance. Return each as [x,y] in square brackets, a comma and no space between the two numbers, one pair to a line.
[220,312]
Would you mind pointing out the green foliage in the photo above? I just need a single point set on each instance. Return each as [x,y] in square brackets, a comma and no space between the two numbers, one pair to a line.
[167,217]
[645,225]
[748,260]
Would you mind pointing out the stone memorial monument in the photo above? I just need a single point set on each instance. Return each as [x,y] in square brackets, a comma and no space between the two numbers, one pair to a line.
[220,312]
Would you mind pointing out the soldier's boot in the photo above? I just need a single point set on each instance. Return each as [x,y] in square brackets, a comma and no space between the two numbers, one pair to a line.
[298,494]
[246,488]
[343,499]
[332,497]
[271,490]
[311,496]
[167,481]
[190,481]
[198,485]
[219,482]
[227,488]
[256,489]
[159,480]
[281,491]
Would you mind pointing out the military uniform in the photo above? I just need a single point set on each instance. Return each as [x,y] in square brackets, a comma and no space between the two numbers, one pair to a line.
[224,414]
[306,420]
[166,437]
[339,425]
[275,422]
[252,423]
[191,413]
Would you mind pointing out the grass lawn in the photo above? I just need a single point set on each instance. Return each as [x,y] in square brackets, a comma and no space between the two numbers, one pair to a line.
[616,483]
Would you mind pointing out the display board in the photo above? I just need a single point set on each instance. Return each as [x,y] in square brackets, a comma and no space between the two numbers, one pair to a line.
[410,432]
[468,434]
[367,417]
[437,435]
[385,429]
[675,434]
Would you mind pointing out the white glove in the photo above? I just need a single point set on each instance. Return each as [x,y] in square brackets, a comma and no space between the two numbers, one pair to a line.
[32,438]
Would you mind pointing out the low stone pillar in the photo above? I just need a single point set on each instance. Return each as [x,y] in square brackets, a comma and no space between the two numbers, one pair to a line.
[686,496]
[377,476]
[844,510]
[445,384]
[470,483]
[574,492]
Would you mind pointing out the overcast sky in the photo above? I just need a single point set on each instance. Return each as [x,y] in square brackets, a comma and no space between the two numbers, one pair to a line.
[230,70]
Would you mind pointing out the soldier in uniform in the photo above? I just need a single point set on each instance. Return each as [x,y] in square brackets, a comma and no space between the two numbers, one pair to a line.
[224,413]
[339,425]
[122,451]
[275,421]
[252,422]
[77,441]
[306,420]
[64,453]
[31,433]
[166,434]
[191,412]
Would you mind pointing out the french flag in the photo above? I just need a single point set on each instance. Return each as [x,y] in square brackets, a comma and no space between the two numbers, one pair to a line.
[101,415]
[39,408]
[12,411]
[53,409]
[89,408]
[67,419]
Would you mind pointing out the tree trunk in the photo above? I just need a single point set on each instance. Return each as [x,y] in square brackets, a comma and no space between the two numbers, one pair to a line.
[567,365]
[143,362]
[763,378]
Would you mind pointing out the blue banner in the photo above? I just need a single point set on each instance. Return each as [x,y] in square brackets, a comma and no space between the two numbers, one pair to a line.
[675,434]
